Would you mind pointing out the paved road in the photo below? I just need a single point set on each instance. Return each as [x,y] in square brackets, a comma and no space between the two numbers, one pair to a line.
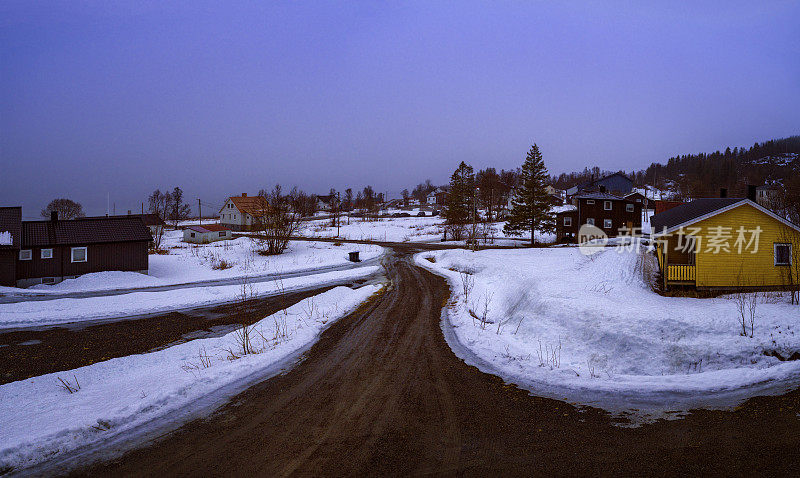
[382,394]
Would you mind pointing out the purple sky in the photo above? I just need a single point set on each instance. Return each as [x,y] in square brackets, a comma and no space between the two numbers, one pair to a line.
[220,100]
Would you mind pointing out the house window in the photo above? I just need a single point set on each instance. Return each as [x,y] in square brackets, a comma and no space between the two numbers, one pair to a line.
[46,254]
[222,234]
[783,254]
[590,221]
[607,205]
[639,200]
[25,255]
[590,201]
[79,254]
[567,221]
[606,223]
[629,207]
[192,234]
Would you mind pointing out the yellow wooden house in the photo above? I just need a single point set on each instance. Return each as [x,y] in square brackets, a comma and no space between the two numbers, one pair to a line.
[726,243]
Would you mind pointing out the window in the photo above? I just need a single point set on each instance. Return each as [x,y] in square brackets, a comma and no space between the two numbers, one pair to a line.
[607,205]
[590,221]
[629,207]
[638,199]
[47,254]
[567,221]
[79,254]
[590,201]
[783,254]
[25,255]
[192,234]
[606,223]
[221,233]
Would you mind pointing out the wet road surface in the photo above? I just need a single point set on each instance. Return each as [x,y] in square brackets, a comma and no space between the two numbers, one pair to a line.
[381,393]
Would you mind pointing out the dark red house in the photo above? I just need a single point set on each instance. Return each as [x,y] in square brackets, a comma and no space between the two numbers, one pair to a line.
[606,211]
[49,251]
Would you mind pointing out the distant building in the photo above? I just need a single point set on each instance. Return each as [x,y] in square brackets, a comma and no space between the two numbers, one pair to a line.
[768,196]
[243,213]
[206,234]
[49,251]
[616,183]
[325,202]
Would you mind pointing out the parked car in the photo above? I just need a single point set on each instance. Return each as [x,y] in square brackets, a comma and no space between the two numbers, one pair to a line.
[421,214]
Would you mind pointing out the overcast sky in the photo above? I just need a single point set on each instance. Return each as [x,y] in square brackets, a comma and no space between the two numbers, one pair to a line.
[227,97]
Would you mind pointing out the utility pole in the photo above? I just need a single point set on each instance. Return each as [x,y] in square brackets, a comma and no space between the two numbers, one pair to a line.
[200,211]
[142,208]
[338,218]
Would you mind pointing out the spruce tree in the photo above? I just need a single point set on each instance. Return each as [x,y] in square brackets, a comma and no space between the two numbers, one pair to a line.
[460,200]
[531,203]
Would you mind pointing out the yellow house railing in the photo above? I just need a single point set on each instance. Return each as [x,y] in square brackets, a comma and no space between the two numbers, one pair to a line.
[681,273]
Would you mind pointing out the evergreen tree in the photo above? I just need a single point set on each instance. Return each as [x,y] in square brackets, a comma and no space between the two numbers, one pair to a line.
[460,200]
[531,204]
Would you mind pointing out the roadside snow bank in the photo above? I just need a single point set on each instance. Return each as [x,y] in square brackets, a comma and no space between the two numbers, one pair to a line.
[58,311]
[40,420]
[557,318]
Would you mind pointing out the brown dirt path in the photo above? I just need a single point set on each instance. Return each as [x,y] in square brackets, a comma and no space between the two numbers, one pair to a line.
[382,394]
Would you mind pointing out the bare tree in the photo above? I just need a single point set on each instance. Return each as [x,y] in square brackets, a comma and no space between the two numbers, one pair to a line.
[178,210]
[278,221]
[66,209]
[157,204]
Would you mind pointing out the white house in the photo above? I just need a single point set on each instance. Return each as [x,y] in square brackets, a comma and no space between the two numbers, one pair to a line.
[241,213]
[206,234]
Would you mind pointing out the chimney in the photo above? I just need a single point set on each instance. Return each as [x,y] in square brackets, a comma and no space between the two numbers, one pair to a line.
[54,216]
[244,195]
[751,192]
[723,192]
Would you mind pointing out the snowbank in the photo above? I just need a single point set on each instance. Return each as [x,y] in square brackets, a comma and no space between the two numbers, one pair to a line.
[591,324]
[64,310]
[40,420]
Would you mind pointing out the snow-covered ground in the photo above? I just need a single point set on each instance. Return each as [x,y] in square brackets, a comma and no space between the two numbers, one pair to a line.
[36,313]
[187,263]
[559,320]
[395,229]
[40,419]
[402,229]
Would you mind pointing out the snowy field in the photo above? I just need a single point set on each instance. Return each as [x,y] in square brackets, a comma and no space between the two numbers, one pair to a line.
[557,319]
[395,229]
[187,263]
[402,229]
[40,419]
[35,313]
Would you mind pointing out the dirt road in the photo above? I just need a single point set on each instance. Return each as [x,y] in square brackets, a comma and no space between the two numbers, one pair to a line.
[382,394]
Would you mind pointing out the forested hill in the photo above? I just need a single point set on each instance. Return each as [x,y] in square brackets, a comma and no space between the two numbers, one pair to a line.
[703,174]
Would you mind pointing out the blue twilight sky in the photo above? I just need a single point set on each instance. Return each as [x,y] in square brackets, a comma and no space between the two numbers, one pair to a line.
[228,97]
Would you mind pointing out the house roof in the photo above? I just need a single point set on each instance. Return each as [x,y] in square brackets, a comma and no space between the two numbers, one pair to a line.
[700,209]
[11,222]
[586,184]
[147,219]
[599,195]
[208,228]
[253,205]
[88,230]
